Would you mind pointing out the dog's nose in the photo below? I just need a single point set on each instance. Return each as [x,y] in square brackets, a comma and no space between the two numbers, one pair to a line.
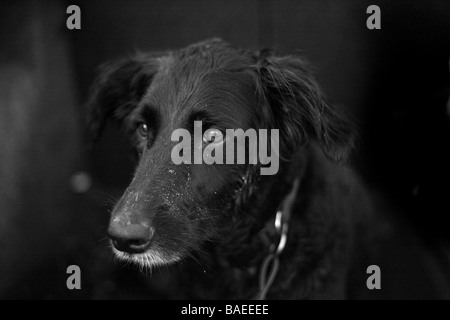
[131,238]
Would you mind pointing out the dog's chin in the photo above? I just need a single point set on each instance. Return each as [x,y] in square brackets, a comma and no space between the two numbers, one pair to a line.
[148,260]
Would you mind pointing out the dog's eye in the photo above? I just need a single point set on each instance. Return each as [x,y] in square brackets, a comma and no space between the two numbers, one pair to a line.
[212,136]
[142,130]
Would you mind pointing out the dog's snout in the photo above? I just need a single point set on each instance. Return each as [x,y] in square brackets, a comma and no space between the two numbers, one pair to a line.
[131,238]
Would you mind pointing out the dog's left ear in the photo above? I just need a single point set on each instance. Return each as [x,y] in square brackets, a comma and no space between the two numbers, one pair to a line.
[299,108]
[118,89]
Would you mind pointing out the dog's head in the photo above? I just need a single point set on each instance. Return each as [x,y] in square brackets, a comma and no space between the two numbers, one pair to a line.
[170,209]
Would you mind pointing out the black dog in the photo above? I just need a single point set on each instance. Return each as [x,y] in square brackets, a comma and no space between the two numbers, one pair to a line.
[224,216]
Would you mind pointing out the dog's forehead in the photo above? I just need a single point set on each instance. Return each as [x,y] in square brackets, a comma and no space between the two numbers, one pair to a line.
[199,78]
[213,49]
[203,57]
[207,57]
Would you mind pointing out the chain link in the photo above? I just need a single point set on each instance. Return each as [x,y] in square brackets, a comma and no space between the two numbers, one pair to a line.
[271,263]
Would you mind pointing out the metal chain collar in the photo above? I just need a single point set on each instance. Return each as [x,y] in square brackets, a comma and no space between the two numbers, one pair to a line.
[271,263]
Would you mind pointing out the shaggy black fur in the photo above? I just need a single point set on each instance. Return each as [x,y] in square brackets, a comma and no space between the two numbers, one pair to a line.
[217,214]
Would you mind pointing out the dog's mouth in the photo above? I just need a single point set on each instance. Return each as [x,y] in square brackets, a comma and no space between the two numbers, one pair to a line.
[163,245]
[152,257]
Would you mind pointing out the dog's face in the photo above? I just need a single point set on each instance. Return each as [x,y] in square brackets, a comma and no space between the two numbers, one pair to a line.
[169,210]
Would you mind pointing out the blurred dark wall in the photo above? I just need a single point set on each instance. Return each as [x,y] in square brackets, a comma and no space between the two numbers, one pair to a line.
[406,127]
[39,137]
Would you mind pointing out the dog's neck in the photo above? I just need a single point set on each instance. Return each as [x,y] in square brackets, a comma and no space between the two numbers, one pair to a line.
[256,216]
[245,244]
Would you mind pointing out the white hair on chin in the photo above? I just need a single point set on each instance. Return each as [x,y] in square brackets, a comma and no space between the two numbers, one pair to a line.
[147,260]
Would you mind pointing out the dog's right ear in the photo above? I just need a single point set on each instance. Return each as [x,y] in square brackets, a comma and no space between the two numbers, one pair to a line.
[118,89]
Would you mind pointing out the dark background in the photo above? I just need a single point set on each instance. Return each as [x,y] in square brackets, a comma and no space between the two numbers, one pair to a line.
[394,81]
